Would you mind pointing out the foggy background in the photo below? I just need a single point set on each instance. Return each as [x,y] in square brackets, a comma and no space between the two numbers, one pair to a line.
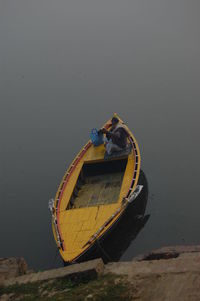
[66,67]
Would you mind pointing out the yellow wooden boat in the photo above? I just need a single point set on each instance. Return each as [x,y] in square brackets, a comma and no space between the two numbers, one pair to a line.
[92,196]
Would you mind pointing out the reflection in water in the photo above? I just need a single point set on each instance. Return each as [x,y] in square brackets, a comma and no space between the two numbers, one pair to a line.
[114,245]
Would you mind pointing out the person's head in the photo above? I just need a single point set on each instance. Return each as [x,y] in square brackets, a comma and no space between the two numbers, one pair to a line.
[115,122]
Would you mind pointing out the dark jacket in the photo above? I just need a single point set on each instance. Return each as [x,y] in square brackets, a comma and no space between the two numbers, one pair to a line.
[118,136]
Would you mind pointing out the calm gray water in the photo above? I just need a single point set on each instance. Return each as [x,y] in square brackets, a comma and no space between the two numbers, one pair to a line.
[65,67]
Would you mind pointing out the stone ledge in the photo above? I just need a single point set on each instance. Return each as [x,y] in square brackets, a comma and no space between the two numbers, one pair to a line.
[12,267]
[174,279]
[168,252]
[87,270]
[185,263]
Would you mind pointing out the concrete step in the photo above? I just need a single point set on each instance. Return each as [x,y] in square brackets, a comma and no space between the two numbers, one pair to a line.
[87,270]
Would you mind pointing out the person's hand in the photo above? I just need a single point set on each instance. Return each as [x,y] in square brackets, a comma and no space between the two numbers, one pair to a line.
[108,136]
[102,131]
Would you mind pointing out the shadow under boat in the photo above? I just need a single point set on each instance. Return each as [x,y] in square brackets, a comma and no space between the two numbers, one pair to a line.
[113,245]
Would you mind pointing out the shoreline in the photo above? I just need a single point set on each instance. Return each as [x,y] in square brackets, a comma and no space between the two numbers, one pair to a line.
[169,271]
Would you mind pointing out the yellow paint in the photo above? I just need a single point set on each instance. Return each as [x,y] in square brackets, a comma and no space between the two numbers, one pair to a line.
[78,225]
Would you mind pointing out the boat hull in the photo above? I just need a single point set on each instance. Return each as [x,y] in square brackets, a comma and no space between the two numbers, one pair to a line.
[87,205]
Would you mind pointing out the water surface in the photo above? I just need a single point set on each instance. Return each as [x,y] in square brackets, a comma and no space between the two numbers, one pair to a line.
[65,67]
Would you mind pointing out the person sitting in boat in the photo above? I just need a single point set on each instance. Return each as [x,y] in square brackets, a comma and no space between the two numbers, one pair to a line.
[116,137]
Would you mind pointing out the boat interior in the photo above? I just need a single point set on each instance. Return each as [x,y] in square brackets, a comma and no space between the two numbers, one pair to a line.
[99,183]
